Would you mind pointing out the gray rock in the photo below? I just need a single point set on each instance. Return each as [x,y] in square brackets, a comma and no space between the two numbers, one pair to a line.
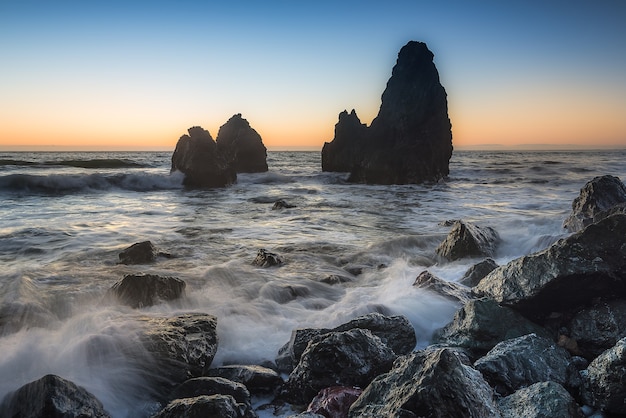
[540,400]
[211,386]
[51,396]
[239,143]
[267,259]
[604,383]
[282,204]
[222,406]
[523,361]
[258,379]
[141,253]
[477,272]
[428,383]
[449,290]
[466,239]
[597,200]
[598,327]
[567,275]
[290,353]
[140,291]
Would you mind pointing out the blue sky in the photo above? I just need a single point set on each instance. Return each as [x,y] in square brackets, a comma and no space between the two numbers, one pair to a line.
[138,74]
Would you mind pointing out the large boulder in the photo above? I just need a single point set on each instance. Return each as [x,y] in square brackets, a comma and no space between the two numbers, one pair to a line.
[429,383]
[410,141]
[466,239]
[598,327]
[603,381]
[599,198]
[540,400]
[258,379]
[51,396]
[141,253]
[239,143]
[196,155]
[222,406]
[139,291]
[567,275]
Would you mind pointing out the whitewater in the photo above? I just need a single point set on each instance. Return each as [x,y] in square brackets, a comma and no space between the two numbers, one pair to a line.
[65,217]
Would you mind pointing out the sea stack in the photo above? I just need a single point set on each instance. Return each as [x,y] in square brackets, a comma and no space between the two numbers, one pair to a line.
[242,145]
[410,141]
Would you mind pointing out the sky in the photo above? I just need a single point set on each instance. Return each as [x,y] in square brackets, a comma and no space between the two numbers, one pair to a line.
[135,74]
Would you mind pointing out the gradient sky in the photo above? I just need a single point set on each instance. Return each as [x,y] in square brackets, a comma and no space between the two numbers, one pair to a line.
[137,74]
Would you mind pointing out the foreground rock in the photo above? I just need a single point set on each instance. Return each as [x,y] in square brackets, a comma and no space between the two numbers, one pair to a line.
[140,291]
[209,386]
[428,383]
[410,141]
[51,396]
[598,327]
[334,402]
[468,240]
[603,381]
[196,156]
[242,145]
[222,406]
[449,290]
[540,400]
[477,272]
[598,199]
[258,379]
[141,253]
[569,274]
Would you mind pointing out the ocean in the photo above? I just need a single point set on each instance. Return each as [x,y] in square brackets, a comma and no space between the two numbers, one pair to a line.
[66,216]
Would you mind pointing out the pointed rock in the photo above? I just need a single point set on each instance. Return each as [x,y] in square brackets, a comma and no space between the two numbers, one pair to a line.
[242,145]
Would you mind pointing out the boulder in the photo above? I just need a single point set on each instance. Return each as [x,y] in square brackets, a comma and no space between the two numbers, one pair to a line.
[477,272]
[598,199]
[520,362]
[289,354]
[282,204]
[258,379]
[212,386]
[141,253]
[242,145]
[481,324]
[567,275]
[334,402]
[222,406]
[598,327]
[540,400]
[349,358]
[449,290]
[603,381]
[466,239]
[428,383]
[140,291]
[267,259]
[197,157]
[410,140]
[51,396]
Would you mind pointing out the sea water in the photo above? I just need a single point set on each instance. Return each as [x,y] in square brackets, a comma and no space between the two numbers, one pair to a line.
[65,217]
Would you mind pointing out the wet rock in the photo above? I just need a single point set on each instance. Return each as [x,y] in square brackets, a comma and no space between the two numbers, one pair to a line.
[449,290]
[540,400]
[140,291]
[334,279]
[334,402]
[428,383]
[599,198]
[468,240]
[282,204]
[267,259]
[477,272]
[258,379]
[290,353]
[211,386]
[410,141]
[598,327]
[481,324]
[51,396]
[196,156]
[567,275]
[141,253]
[604,383]
[522,361]
[239,143]
[222,406]
[350,358]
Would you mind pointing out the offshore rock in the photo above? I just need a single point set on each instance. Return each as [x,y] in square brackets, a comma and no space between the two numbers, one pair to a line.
[258,379]
[540,400]
[410,141]
[428,383]
[334,402]
[477,272]
[349,358]
[449,290]
[222,406]
[466,239]
[569,274]
[267,259]
[522,361]
[196,155]
[141,253]
[599,198]
[603,381]
[140,291]
[51,396]
[242,145]
[481,324]
[598,327]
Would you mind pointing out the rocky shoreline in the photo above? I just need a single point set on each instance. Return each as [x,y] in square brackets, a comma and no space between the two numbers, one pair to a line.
[542,336]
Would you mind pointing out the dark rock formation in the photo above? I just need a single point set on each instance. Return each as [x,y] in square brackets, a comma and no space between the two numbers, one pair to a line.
[196,156]
[522,361]
[598,199]
[141,253]
[449,290]
[334,402]
[481,324]
[540,400]
[282,204]
[258,379]
[242,145]
[567,275]
[468,240]
[213,386]
[477,272]
[428,383]
[349,358]
[139,291]
[222,406]
[51,396]
[410,141]
[267,259]
[603,381]
[598,327]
